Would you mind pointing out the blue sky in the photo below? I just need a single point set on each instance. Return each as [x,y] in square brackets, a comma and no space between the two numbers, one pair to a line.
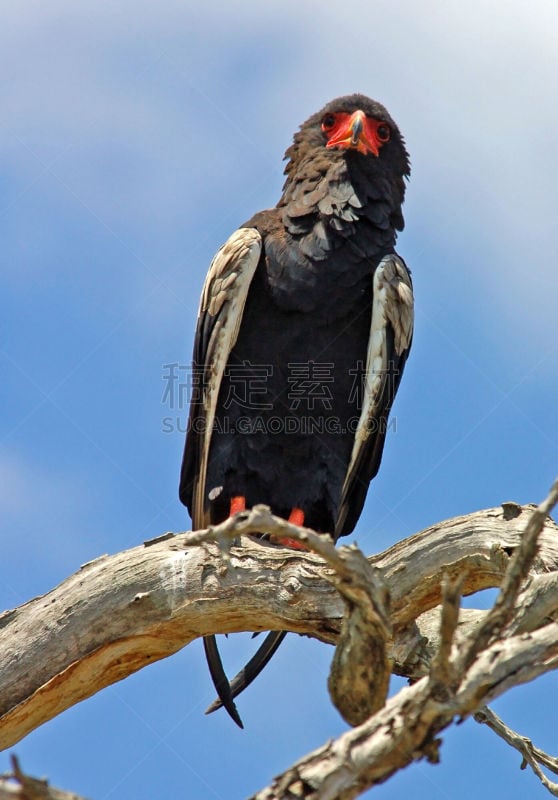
[134,139]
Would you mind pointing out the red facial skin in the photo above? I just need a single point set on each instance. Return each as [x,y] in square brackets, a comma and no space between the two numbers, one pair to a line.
[355,132]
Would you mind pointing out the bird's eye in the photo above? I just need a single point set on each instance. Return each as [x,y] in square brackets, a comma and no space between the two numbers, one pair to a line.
[328,121]
[383,132]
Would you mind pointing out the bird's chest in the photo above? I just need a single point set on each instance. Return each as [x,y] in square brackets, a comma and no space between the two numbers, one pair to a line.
[327,290]
[306,355]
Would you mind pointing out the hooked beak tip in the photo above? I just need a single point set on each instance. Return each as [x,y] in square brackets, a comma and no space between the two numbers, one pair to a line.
[356,130]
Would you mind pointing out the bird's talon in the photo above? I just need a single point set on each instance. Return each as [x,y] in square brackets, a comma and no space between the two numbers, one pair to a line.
[286,541]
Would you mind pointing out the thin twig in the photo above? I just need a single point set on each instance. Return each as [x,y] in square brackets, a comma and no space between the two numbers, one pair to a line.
[259,519]
[442,670]
[532,756]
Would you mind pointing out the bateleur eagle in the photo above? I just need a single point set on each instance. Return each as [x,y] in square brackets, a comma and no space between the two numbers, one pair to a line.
[304,326]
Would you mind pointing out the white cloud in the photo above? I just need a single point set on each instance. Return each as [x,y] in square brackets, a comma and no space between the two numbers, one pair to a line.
[167,115]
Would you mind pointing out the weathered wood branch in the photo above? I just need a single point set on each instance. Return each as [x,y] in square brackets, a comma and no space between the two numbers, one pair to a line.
[18,786]
[532,756]
[405,729]
[464,675]
[358,681]
[119,613]
[517,572]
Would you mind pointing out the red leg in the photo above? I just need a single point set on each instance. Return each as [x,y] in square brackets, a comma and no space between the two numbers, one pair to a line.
[296,517]
[238,503]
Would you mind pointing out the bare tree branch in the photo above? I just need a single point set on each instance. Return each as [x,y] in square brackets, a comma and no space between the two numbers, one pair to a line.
[405,729]
[532,756]
[119,613]
[442,670]
[18,786]
[360,671]
[516,573]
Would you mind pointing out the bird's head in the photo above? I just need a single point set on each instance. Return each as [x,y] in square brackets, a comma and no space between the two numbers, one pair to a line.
[352,125]
[347,164]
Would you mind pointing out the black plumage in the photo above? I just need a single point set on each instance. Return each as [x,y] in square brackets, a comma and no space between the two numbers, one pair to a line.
[304,328]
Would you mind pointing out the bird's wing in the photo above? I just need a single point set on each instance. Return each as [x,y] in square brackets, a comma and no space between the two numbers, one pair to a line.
[220,315]
[391,333]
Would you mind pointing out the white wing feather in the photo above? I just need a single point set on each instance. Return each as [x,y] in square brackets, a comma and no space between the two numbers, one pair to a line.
[392,305]
[223,296]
